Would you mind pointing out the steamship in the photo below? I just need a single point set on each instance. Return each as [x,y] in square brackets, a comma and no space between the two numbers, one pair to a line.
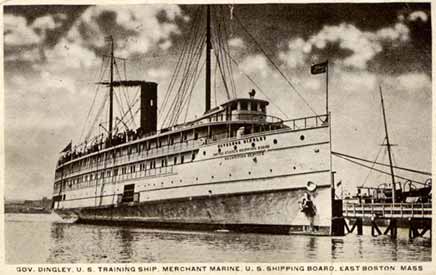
[234,167]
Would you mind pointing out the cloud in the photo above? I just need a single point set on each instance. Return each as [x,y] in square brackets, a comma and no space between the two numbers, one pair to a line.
[136,29]
[255,64]
[237,43]
[296,53]
[158,73]
[362,46]
[17,32]
[418,15]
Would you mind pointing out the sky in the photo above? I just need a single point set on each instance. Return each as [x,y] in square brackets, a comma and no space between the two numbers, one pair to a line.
[53,57]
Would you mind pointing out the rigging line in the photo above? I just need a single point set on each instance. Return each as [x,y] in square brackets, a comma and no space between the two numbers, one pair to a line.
[192,89]
[99,111]
[373,163]
[185,83]
[378,170]
[215,88]
[184,59]
[127,112]
[275,66]
[191,86]
[226,46]
[383,164]
[178,64]
[125,96]
[257,86]
[95,96]
[185,69]
[222,72]
[223,78]
[137,110]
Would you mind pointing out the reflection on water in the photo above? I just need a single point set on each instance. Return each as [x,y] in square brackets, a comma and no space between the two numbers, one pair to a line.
[43,240]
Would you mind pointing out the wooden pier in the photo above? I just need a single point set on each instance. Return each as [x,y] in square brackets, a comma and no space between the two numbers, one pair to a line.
[416,216]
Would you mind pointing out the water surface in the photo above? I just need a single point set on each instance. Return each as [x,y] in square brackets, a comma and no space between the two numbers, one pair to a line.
[37,238]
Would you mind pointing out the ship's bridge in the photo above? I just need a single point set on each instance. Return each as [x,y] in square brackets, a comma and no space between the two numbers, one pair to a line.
[239,109]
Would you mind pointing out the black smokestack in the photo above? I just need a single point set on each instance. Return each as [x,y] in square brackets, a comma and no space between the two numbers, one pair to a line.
[148,120]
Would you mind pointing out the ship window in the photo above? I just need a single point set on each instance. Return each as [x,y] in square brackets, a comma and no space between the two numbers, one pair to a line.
[102,175]
[196,136]
[175,160]
[193,155]
[116,172]
[234,106]
[182,159]
[302,137]
[204,153]
[253,106]
[244,105]
[262,108]
[275,141]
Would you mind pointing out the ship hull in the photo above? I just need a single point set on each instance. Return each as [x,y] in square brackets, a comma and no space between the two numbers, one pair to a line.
[276,212]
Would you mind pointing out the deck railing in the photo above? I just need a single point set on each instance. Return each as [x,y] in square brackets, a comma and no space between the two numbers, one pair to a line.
[387,210]
[307,122]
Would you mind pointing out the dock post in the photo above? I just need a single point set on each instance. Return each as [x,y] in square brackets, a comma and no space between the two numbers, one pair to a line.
[412,229]
[374,228]
[359,226]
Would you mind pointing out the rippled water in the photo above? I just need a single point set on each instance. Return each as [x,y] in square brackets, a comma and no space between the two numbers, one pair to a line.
[32,238]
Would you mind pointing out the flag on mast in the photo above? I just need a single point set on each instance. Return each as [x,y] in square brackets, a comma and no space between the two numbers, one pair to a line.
[319,68]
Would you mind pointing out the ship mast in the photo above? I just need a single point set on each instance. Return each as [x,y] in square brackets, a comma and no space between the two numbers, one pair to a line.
[111,88]
[208,61]
[388,145]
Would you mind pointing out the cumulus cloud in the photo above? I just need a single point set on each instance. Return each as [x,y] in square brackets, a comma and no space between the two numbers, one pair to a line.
[255,64]
[418,15]
[17,32]
[237,43]
[138,29]
[362,45]
[296,53]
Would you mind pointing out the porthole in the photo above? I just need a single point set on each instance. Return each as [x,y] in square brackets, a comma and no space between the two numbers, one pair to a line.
[253,145]
[204,153]
[235,147]
[270,170]
[219,150]
[249,172]
[310,186]
[275,141]
[196,178]
[212,176]
[302,137]
[294,167]
[230,175]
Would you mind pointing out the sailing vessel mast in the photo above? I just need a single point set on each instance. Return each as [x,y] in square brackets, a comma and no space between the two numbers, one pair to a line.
[388,145]
[111,88]
[208,61]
